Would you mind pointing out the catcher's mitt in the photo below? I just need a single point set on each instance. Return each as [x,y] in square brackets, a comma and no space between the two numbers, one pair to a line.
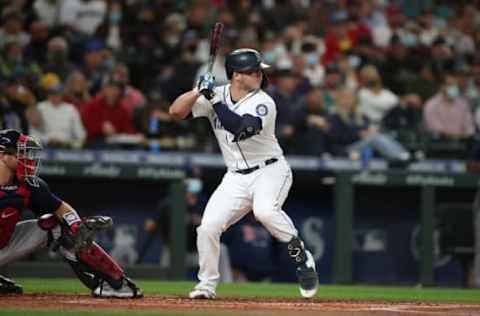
[86,230]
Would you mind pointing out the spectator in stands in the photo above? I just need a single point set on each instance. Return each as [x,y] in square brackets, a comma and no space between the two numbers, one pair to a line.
[158,126]
[132,97]
[61,125]
[112,30]
[82,16]
[350,132]
[441,57]
[57,58]
[311,50]
[447,115]
[20,100]
[458,36]
[332,84]
[12,28]
[106,115]
[425,85]
[429,28]
[374,99]
[9,118]
[13,64]
[347,67]
[404,121]
[400,66]
[311,125]
[94,67]
[177,77]
[285,93]
[344,34]
[48,11]
[36,49]
[376,20]
[146,53]
[76,90]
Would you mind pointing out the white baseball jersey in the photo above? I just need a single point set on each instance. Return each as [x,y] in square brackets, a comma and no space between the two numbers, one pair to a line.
[251,151]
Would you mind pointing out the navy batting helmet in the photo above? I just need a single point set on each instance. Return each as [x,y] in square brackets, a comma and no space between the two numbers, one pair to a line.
[243,60]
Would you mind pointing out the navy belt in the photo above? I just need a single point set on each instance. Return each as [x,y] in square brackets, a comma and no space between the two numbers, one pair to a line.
[252,169]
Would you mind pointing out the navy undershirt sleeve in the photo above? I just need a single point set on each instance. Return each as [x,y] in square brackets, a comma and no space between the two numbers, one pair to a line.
[43,200]
[230,120]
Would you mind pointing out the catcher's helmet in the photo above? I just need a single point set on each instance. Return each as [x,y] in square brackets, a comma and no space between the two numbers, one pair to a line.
[243,60]
[27,150]
[8,140]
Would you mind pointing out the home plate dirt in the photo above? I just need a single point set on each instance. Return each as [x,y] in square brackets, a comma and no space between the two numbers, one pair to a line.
[238,305]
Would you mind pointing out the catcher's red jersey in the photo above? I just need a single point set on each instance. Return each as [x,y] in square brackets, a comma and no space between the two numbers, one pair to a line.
[16,198]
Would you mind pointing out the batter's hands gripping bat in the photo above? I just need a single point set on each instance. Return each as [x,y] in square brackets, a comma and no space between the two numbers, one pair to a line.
[207,81]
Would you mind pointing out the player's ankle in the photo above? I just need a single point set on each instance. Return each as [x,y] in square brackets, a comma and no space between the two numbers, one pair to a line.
[296,250]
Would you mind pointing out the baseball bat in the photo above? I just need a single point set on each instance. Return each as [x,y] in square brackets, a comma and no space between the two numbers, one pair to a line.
[215,36]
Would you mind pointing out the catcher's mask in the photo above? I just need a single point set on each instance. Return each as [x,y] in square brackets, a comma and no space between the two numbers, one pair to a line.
[27,150]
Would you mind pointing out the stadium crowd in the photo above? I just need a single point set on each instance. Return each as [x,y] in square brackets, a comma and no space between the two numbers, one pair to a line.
[346,75]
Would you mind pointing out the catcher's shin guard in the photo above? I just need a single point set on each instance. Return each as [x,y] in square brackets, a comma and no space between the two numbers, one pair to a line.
[102,263]
[85,274]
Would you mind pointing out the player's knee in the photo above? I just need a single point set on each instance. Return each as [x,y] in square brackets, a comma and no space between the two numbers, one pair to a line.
[264,214]
[209,229]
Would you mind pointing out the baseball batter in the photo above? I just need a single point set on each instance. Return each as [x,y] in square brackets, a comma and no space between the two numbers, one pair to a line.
[258,177]
[58,223]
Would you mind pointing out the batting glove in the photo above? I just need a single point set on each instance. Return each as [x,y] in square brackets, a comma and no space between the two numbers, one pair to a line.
[206,85]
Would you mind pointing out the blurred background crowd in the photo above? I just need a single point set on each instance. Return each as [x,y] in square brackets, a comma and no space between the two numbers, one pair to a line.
[399,77]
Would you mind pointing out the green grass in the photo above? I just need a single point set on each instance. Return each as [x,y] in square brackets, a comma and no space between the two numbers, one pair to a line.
[271,290]
[244,290]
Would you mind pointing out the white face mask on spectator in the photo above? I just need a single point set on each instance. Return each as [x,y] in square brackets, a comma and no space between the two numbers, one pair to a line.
[452,91]
[311,59]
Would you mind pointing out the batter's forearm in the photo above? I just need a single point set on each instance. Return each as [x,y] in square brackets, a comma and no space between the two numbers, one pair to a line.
[182,106]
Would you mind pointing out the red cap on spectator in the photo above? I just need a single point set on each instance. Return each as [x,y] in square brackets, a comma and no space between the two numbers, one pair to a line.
[393,9]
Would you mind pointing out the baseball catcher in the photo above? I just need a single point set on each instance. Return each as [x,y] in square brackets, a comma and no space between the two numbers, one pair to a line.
[58,225]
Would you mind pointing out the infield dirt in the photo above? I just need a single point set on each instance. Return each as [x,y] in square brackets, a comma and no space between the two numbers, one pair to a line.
[250,306]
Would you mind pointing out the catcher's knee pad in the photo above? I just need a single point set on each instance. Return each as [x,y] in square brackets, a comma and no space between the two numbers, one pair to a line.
[103,265]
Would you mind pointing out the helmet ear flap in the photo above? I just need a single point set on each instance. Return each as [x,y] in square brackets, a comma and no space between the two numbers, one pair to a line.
[264,83]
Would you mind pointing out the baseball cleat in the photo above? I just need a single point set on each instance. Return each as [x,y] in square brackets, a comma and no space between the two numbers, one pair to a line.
[202,294]
[127,290]
[307,277]
[8,286]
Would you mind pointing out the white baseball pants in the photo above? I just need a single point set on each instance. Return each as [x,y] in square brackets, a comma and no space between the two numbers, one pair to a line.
[263,191]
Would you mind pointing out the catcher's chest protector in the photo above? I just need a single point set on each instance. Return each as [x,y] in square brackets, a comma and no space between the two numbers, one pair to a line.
[13,200]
